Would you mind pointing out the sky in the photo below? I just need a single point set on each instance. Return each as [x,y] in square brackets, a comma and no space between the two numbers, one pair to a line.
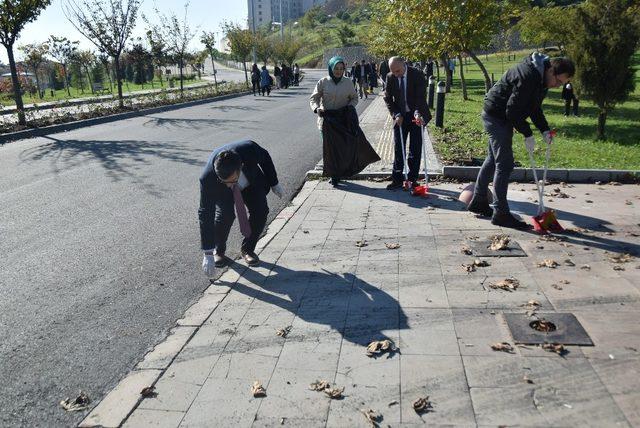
[205,14]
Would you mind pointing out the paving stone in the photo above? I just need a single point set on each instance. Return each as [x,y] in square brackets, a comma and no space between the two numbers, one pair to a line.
[154,418]
[429,332]
[244,366]
[197,314]
[162,355]
[477,330]
[172,395]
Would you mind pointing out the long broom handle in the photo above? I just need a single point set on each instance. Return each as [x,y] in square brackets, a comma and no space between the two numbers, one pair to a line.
[535,177]
[405,167]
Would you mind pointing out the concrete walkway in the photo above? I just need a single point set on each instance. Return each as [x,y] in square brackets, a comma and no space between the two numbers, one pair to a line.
[328,285]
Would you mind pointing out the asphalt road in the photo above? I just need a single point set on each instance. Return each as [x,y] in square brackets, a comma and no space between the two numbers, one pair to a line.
[99,240]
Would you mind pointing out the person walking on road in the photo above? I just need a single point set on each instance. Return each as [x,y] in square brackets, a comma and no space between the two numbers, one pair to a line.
[362,72]
[255,79]
[406,94]
[285,77]
[296,75]
[568,96]
[237,175]
[265,81]
[383,68]
[345,149]
[373,77]
[278,74]
[518,95]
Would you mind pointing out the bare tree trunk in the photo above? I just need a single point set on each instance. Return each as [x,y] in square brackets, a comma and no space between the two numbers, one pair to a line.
[66,79]
[89,79]
[602,120]
[17,91]
[487,80]
[213,66]
[35,72]
[463,82]
[246,78]
[447,72]
[180,63]
[116,64]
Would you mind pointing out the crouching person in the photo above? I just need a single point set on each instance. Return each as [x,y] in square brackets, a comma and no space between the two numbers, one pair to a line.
[237,177]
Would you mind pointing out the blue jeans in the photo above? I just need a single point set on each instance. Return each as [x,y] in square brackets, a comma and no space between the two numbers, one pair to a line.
[499,162]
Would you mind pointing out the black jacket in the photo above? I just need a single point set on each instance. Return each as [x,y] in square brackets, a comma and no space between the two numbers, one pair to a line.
[567,92]
[257,166]
[416,93]
[358,70]
[383,69]
[518,95]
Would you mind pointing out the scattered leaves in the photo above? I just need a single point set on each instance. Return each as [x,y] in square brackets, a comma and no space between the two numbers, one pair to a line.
[555,348]
[392,245]
[148,392]
[361,244]
[499,242]
[372,416]
[258,390]
[283,332]
[81,402]
[503,347]
[621,258]
[508,284]
[378,347]
[422,405]
[550,263]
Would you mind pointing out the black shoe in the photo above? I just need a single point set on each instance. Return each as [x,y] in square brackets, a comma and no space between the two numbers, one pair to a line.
[508,220]
[335,181]
[250,257]
[220,260]
[480,206]
[394,185]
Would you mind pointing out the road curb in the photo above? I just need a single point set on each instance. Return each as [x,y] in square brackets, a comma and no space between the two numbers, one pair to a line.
[70,126]
[114,409]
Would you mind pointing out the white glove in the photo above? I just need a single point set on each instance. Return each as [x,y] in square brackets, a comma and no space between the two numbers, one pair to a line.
[530,143]
[548,138]
[278,190]
[209,266]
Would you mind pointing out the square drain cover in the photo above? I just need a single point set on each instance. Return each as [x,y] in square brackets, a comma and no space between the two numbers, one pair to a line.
[481,248]
[566,329]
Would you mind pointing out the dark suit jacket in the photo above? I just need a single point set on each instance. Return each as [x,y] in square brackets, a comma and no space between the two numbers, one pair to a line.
[257,166]
[358,71]
[416,93]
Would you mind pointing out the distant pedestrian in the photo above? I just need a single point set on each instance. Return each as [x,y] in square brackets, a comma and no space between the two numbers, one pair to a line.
[428,70]
[286,75]
[362,72]
[265,81]
[255,79]
[517,96]
[236,175]
[451,63]
[568,96]
[345,149]
[354,78]
[296,75]
[278,74]
[373,77]
[383,68]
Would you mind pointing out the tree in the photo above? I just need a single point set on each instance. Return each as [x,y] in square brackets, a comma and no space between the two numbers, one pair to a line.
[107,24]
[158,51]
[241,44]
[103,58]
[345,34]
[310,19]
[85,59]
[62,50]
[604,38]
[14,15]
[208,39]
[34,56]
[542,25]
[139,59]
[286,50]
[176,35]
[263,46]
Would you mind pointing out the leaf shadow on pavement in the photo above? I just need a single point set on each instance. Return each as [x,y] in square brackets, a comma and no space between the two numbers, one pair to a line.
[195,123]
[234,108]
[359,311]
[120,158]
[443,199]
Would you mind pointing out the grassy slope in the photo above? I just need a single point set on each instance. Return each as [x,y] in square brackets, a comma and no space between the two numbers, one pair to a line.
[575,145]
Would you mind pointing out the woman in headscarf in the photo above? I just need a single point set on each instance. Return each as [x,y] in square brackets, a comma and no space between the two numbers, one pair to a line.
[345,149]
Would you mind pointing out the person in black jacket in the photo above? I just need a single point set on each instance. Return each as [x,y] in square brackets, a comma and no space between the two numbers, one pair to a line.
[236,175]
[255,79]
[362,72]
[383,69]
[568,96]
[518,95]
[406,93]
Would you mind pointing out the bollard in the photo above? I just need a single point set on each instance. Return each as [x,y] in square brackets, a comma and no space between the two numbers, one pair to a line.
[440,104]
[431,91]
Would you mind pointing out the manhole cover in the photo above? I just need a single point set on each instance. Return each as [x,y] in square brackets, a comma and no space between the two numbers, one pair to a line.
[482,248]
[547,328]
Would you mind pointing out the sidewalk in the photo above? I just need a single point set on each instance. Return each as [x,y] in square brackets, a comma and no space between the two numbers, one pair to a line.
[331,297]
[377,125]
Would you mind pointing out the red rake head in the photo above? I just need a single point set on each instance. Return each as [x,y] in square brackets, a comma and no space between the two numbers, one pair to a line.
[420,191]
[546,222]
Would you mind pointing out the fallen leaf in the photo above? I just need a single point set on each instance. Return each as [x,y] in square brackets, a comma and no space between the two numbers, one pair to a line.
[556,286]
[554,347]
[319,385]
[531,304]
[568,262]
[149,391]
[564,281]
[282,421]
[508,284]
[466,250]
[526,379]
[334,393]
[81,402]
[585,267]
[305,231]
[258,390]
[621,258]
[361,244]
[618,267]
[380,346]
[614,183]
[372,416]
[550,263]
[589,201]
[481,263]
[393,403]
[392,246]
[469,268]
[422,405]
[283,332]
[543,325]
[499,242]
[503,347]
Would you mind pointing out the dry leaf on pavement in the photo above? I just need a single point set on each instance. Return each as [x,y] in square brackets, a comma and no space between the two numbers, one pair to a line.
[621,258]
[378,347]
[258,390]
[422,405]
[585,267]
[556,286]
[392,246]
[361,244]
[481,263]
[372,416]
[508,284]
[618,267]
[469,268]
[149,391]
[81,402]
[550,263]
[503,347]
[568,262]
[319,385]
[283,332]
[531,304]
[499,242]
[554,347]
[526,379]
[334,393]
[466,250]
[564,281]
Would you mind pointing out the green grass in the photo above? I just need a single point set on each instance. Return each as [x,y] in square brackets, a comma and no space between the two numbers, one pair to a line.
[575,146]
[61,94]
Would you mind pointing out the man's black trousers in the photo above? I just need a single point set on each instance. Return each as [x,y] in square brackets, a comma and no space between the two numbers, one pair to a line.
[414,154]
[256,201]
